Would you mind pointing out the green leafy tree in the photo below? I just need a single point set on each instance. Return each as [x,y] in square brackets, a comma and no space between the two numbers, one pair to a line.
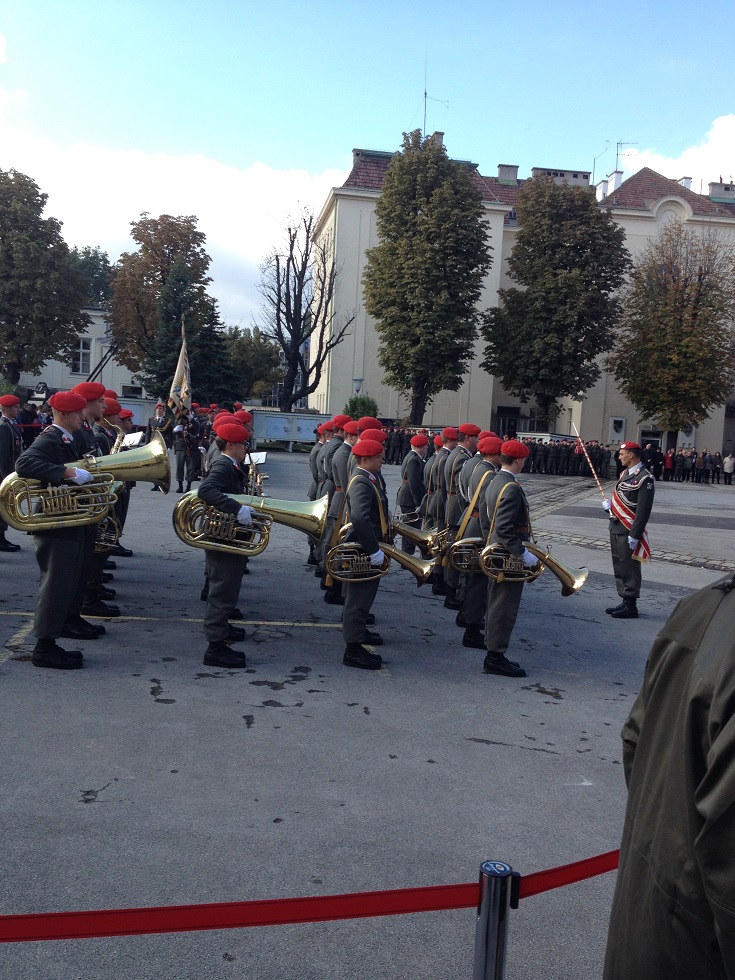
[423,279]
[165,243]
[255,360]
[212,375]
[41,294]
[569,258]
[297,285]
[94,266]
[673,358]
[361,405]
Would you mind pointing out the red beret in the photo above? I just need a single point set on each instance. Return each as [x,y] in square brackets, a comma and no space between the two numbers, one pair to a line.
[7,401]
[487,433]
[377,435]
[222,419]
[68,401]
[339,421]
[215,405]
[449,433]
[125,413]
[243,416]
[237,405]
[516,449]
[632,446]
[109,393]
[327,427]
[351,428]
[232,432]
[160,405]
[368,422]
[89,390]
[490,445]
[367,447]
[112,406]
[469,429]
[419,441]
[437,441]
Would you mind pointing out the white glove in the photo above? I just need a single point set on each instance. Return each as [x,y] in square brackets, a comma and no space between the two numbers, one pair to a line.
[632,543]
[178,428]
[529,560]
[377,559]
[202,450]
[245,515]
[606,504]
[81,477]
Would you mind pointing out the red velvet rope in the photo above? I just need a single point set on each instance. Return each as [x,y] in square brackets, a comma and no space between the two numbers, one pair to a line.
[277,911]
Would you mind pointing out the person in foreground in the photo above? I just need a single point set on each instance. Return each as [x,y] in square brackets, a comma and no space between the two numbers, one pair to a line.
[225,571]
[673,914]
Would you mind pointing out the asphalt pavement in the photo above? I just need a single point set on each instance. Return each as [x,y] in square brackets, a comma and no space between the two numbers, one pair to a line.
[147,779]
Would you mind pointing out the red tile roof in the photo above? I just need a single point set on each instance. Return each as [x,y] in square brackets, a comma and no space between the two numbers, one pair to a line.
[641,192]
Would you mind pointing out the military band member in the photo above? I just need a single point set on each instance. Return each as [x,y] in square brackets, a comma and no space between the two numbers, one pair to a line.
[510,526]
[436,510]
[159,423]
[186,448]
[311,493]
[225,571]
[629,511]
[11,446]
[367,512]
[465,450]
[411,491]
[89,602]
[472,592]
[427,499]
[340,461]
[60,552]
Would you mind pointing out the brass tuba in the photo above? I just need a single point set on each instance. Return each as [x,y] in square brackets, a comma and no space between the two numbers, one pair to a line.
[464,555]
[348,562]
[431,543]
[27,505]
[201,526]
[498,563]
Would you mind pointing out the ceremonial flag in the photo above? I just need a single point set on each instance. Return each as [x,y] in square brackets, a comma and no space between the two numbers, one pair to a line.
[179,398]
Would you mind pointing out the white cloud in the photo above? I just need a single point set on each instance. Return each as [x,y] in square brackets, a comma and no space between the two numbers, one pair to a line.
[709,160]
[97,191]
[3,50]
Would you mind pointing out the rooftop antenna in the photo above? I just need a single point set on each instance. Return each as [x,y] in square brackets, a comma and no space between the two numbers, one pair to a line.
[618,147]
[594,162]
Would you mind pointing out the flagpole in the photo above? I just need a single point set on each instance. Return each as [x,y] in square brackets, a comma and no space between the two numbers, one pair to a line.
[589,462]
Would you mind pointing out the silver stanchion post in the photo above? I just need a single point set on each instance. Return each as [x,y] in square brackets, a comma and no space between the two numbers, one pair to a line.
[497,881]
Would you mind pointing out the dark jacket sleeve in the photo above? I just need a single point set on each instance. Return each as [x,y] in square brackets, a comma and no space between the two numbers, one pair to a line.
[45,459]
[7,464]
[220,481]
[646,491]
[363,513]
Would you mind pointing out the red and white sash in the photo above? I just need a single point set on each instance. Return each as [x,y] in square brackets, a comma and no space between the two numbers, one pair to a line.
[626,516]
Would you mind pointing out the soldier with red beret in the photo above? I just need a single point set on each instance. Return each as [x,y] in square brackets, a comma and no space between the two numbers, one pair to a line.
[411,491]
[510,527]
[629,511]
[11,446]
[339,466]
[60,552]
[465,449]
[367,512]
[472,591]
[225,571]
[160,423]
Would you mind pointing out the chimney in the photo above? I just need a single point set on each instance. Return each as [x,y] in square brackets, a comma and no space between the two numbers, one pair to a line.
[601,190]
[722,192]
[615,179]
[438,138]
[507,173]
[685,182]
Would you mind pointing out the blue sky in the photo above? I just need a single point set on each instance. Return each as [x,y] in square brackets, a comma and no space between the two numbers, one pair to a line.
[241,113]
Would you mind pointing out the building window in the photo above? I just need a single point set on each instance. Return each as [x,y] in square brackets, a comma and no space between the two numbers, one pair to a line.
[132,391]
[82,357]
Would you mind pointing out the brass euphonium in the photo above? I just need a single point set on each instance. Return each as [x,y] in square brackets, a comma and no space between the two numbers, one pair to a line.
[144,464]
[119,436]
[498,563]
[431,543]
[348,562]
[464,555]
[27,505]
[202,526]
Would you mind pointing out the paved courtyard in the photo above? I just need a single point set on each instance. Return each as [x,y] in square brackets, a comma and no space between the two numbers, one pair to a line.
[148,779]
